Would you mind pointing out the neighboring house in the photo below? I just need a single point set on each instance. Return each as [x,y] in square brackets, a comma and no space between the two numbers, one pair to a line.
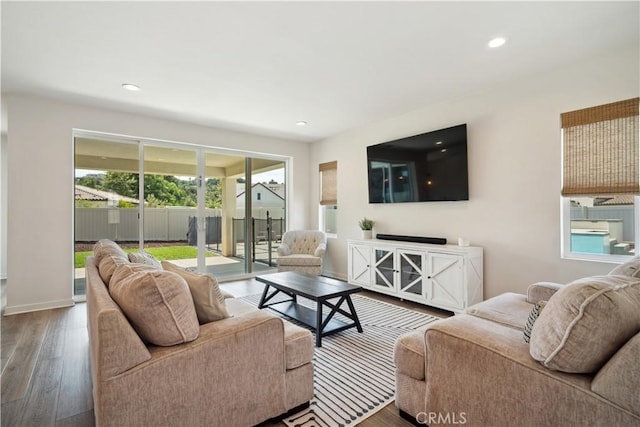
[264,197]
[100,198]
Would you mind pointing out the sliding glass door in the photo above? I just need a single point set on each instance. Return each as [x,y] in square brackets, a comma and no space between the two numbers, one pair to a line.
[106,193]
[181,203]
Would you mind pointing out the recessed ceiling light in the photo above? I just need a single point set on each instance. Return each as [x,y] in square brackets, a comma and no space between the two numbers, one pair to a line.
[443,150]
[438,142]
[301,123]
[497,42]
[130,86]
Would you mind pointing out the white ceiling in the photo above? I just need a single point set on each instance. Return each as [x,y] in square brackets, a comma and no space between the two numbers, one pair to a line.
[259,67]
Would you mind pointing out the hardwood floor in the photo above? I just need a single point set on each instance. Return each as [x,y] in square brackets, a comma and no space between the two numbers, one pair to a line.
[46,377]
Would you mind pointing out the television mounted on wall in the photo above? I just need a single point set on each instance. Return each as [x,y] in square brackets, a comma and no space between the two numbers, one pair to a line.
[429,167]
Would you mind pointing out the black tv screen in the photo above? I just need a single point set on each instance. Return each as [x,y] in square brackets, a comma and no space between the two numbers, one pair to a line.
[429,167]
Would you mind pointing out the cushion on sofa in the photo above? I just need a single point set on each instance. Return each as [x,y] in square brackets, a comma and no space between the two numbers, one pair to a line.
[107,266]
[300,260]
[207,297]
[508,309]
[586,322]
[620,375]
[629,268]
[105,247]
[158,304]
[143,257]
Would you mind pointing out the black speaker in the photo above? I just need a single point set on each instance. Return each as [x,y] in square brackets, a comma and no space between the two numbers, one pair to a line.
[415,239]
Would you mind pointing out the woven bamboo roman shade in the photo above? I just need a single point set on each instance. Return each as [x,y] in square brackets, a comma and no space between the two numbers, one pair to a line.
[329,183]
[601,150]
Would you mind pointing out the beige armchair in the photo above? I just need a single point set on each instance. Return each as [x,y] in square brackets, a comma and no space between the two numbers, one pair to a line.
[302,251]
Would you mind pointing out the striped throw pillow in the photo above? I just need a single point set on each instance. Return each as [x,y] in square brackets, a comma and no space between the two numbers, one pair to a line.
[533,315]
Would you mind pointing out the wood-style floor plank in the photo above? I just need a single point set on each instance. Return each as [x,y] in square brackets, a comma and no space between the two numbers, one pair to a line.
[11,328]
[17,374]
[40,403]
[386,417]
[75,388]
[85,419]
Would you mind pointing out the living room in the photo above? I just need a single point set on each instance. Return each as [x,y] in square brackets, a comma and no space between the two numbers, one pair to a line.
[514,146]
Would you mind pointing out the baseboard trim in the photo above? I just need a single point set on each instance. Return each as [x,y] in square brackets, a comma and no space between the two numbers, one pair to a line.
[334,275]
[27,308]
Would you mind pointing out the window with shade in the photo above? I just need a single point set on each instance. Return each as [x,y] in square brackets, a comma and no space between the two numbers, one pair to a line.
[329,197]
[601,182]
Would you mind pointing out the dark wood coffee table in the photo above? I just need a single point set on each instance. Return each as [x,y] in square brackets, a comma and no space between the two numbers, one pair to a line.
[316,288]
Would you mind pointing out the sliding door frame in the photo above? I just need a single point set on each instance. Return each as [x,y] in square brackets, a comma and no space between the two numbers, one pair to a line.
[200,151]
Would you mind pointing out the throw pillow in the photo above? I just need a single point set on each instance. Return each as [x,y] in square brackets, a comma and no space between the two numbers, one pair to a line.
[158,304]
[143,257]
[586,322]
[104,247]
[207,297]
[533,316]
[107,266]
[629,268]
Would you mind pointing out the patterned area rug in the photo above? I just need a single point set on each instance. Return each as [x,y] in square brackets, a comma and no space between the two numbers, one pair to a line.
[354,372]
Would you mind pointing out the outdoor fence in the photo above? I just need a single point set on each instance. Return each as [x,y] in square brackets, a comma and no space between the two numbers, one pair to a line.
[121,224]
[267,233]
[178,225]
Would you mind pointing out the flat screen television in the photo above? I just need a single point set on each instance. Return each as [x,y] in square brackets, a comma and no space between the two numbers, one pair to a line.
[429,167]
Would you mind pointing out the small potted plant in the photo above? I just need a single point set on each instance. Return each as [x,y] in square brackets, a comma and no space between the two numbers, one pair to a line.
[366,225]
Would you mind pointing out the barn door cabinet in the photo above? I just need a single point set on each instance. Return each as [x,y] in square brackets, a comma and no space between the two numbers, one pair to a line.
[442,276]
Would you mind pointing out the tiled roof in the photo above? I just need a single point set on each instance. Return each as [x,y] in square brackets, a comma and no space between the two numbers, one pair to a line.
[87,193]
[623,199]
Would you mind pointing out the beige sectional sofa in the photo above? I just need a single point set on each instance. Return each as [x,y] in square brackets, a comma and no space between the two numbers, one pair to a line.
[581,367]
[238,371]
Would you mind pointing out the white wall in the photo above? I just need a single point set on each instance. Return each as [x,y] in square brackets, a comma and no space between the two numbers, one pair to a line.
[3,205]
[3,192]
[514,173]
[40,191]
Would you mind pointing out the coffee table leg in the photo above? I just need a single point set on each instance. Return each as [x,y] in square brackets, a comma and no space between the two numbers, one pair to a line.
[319,324]
[264,295]
[353,312]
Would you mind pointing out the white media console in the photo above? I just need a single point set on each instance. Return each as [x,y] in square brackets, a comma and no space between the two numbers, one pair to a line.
[443,276]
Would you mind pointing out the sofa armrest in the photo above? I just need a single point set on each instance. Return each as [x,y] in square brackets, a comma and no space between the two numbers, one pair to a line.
[284,249]
[115,347]
[541,291]
[224,374]
[320,250]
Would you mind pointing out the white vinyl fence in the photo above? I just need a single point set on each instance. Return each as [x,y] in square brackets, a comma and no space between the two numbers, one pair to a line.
[121,224]
[169,224]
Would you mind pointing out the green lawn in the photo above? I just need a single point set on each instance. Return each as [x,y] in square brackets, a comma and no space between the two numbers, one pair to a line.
[162,253]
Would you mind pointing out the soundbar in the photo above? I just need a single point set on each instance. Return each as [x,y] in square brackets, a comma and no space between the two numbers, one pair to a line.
[415,239]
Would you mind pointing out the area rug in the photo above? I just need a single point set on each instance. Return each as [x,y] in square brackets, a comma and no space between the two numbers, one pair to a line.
[354,372]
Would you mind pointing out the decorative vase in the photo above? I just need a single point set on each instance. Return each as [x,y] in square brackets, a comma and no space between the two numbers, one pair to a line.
[366,234]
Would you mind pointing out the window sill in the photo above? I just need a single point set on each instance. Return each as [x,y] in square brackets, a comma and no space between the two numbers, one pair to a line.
[608,259]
